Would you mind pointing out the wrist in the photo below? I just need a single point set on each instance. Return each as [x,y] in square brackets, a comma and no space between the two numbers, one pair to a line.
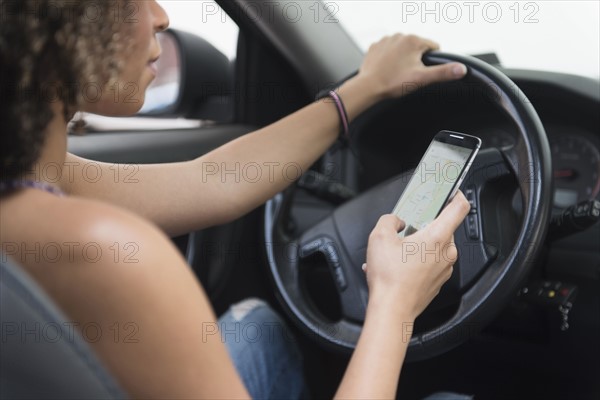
[393,305]
[391,315]
[368,86]
[360,93]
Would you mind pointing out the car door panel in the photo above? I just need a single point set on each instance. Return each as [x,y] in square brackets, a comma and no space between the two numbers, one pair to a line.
[145,147]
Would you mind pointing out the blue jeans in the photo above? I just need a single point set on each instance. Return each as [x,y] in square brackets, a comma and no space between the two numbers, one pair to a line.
[266,356]
[263,350]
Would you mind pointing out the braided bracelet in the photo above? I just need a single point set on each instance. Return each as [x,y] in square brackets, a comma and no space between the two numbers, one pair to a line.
[344,136]
[345,131]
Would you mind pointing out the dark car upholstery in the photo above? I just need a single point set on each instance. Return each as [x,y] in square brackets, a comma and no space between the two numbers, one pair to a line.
[42,355]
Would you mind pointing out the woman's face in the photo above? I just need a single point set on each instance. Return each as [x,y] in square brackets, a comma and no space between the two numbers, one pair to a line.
[140,22]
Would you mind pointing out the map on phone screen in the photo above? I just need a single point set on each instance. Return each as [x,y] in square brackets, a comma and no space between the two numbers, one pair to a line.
[431,185]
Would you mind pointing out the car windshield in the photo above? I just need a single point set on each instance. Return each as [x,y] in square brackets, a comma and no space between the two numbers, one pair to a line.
[560,36]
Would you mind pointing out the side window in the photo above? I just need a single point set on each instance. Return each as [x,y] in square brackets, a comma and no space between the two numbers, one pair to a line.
[202,18]
[206,19]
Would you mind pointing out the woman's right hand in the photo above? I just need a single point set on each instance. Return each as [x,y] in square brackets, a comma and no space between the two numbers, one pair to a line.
[411,270]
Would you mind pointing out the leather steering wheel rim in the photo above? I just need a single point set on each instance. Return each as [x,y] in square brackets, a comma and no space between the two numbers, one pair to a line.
[529,160]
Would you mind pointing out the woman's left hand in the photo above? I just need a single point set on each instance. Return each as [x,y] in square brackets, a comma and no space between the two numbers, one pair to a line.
[394,67]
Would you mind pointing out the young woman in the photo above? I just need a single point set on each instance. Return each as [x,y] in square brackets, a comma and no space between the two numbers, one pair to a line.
[46,46]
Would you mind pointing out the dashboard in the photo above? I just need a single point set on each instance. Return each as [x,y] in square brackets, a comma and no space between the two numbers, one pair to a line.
[575,160]
[392,137]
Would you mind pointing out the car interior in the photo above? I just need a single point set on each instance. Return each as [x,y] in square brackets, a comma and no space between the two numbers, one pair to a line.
[520,318]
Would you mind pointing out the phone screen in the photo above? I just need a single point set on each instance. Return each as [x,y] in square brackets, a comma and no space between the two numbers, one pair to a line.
[434,181]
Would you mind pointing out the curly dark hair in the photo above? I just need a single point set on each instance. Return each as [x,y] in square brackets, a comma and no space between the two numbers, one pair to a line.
[48,49]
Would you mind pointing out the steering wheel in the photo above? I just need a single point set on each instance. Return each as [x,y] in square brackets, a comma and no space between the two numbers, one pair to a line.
[492,262]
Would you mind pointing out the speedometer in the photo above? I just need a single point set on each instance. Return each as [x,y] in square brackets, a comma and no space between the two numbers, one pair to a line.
[576,165]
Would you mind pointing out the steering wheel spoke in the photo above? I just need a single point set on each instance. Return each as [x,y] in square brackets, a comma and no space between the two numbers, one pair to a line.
[350,283]
[475,252]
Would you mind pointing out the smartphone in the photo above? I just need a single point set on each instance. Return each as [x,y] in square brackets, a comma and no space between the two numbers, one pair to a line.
[436,179]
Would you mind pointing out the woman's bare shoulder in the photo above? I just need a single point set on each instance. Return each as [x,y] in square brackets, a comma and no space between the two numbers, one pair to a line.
[56,216]
[120,275]
[40,230]
[97,220]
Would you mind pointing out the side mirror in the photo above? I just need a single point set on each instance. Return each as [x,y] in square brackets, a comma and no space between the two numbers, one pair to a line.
[194,80]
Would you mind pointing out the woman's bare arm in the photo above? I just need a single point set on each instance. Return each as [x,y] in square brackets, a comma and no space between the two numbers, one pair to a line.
[241,175]
[231,180]
[400,287]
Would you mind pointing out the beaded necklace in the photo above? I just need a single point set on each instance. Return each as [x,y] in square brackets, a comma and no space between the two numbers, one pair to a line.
[24,183]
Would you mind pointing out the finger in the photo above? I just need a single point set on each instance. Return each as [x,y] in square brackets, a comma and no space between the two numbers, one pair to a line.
[390,222]
[444,72]
[429,45]
[452,216]
[364,267]
[451,252]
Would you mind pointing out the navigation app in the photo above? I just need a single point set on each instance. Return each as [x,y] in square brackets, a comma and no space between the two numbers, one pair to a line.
[430,185]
